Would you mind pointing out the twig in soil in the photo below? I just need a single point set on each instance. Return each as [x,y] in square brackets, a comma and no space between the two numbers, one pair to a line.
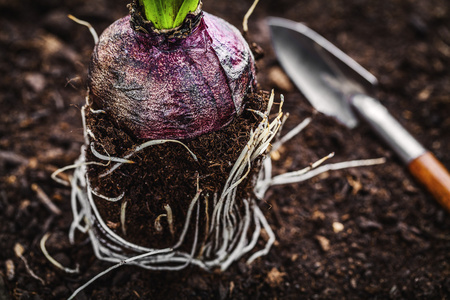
[45,199]
[19,250]
[52,260]
[13,158]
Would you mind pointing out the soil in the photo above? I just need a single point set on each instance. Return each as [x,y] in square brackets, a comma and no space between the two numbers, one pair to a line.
[167,174]
[369,232]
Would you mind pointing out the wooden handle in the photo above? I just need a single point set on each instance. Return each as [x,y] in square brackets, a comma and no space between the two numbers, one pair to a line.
[434,176]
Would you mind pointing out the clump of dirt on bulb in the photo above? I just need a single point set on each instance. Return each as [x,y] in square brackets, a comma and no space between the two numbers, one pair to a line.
[166,174]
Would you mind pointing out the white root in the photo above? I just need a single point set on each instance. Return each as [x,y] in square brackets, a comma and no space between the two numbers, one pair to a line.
[296,130]
[247,16]
[169,218]
[265,251]
[19,250]
[98,111]
[123,209]
[227,230]
[110,199]
[108,157]
[294,177]
[188,217]
[121,263]
[52,260]
[233,226]
[89,26]
[143,146]
[55,174]
[158,225]
[157,142]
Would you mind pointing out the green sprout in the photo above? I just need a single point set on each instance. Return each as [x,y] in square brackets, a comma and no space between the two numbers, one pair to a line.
[168,14]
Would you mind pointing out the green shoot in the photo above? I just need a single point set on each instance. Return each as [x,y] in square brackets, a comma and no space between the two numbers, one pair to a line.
[168,14]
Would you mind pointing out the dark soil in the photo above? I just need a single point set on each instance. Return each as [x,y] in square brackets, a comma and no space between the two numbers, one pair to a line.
[167,174]
[395,241]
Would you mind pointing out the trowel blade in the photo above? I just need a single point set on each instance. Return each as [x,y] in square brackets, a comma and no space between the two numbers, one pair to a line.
[326,76]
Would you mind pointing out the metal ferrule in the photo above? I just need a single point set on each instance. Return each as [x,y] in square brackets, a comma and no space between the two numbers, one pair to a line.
[389,129]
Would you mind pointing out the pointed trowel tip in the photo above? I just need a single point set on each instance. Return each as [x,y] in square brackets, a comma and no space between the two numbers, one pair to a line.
[325,75]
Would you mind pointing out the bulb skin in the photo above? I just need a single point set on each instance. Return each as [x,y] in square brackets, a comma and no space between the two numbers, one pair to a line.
[159,87]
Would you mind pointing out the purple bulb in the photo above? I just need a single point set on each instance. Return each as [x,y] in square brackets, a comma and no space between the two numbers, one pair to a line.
[156,87]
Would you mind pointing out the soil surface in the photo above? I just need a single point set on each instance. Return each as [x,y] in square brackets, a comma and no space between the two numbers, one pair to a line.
[369,232]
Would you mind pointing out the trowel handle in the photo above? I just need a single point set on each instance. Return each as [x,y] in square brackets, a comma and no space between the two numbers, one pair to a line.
[431,173]
[422,164]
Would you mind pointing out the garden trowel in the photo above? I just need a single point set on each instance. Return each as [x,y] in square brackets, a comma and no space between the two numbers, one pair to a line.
[336,85]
